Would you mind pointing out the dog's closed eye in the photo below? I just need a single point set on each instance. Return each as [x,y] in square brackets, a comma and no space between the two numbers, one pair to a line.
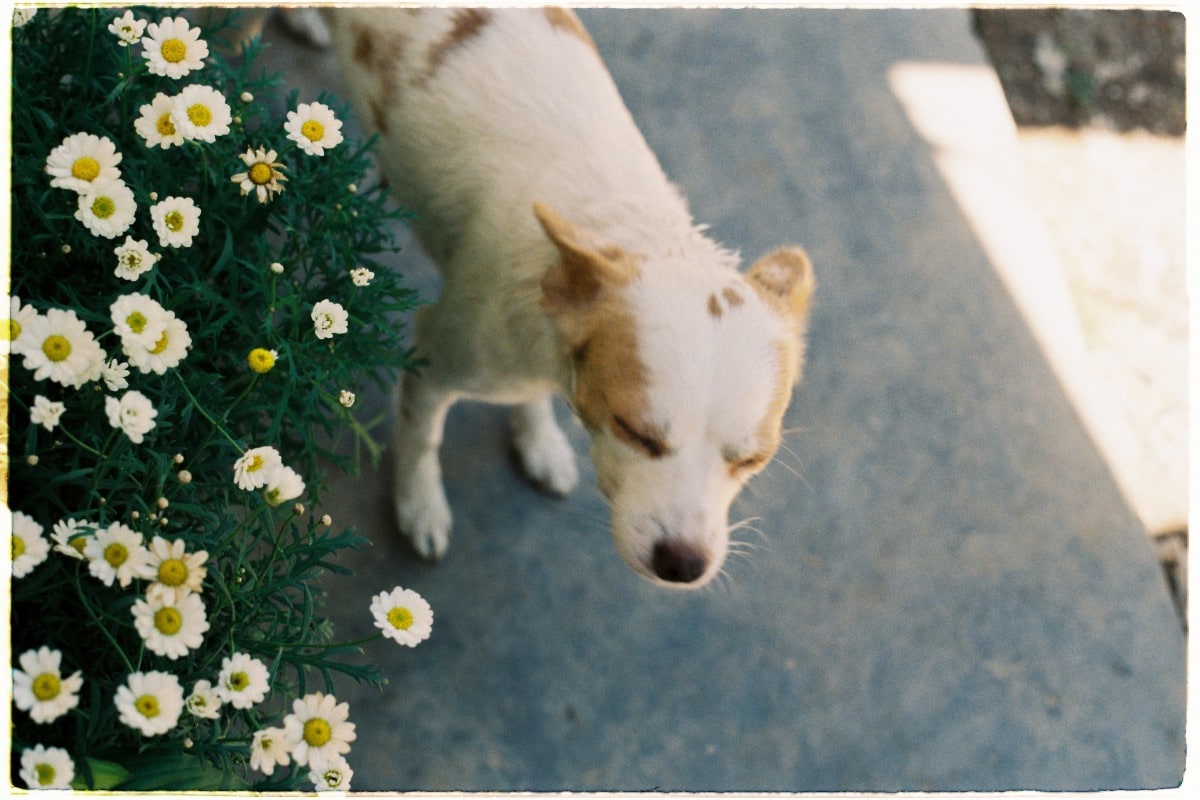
[744,465]
[649,442]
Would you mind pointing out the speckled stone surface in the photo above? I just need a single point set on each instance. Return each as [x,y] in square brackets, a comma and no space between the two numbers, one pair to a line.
[947,592]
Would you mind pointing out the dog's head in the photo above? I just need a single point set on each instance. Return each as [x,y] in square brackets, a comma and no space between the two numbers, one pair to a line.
[682,376]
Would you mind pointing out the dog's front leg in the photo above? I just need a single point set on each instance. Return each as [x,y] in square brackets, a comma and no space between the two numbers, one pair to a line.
[546,454]
[421,508]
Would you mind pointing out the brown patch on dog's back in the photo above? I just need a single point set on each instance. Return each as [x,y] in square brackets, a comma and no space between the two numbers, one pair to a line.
[465,25]
[564,19]
[382,58]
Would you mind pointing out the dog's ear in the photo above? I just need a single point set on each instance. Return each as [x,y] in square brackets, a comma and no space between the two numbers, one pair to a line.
[586,266]
[784,279]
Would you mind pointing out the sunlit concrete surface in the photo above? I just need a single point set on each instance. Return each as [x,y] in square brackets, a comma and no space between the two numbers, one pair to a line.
[944,588]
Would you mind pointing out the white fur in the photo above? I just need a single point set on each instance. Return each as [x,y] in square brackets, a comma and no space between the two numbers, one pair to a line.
[517,111]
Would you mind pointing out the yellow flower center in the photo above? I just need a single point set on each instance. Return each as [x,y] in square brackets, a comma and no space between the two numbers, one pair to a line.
[172,572]
[317,732]
[168,621]
[116,554]
[57,348]
[400,618]
[46,686]
[14,330]
[161,346]
[85,168]
[136,321]
[18,547]
[79,542]
[174,51]
[313,130]
[103,207]
[147,706]
[238,681]
[260,173]
[174,221]
[199,114]
[45,774]
[256,463]
[260,360]
[333,778]
[165,126]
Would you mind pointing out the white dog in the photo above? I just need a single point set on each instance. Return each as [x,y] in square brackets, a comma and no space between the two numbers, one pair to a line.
[570,265]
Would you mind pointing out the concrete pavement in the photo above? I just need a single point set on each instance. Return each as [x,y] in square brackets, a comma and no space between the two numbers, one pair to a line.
[948,591]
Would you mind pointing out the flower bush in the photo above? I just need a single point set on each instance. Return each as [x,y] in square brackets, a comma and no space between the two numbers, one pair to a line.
[195,300]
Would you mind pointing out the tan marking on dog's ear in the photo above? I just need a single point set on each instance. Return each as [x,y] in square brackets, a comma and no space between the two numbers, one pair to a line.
[564,19]
[586,266]
[466,23]
[610,376]
[714,307]
[784,279]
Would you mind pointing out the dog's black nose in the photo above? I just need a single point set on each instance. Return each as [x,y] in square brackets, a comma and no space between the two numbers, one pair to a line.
[677,562]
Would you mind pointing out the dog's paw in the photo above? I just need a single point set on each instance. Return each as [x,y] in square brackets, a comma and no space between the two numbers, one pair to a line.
[547,459]
[426,522]
[422,513]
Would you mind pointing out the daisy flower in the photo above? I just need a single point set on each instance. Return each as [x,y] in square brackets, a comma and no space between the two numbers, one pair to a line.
[19,317]
[317,730]
[71,536]
[170,349]
[251,470]
[346,398]
[268,750]
[261,360]
[171,627]
[107,208]
[203,702]
[283,483]
[40,688]
[82,160]
[201,113]
[172,48]
[176,572]
[138,319]
[22,15]
[57,346]
[46,412]
[156,124]
[116,553]
[403,616]
[263,174]
[133,414]
[127,29]
[150,702]
[335,777]
[29,547]
[314,127]
[329,318]
[47,768]
[133,258]
[176,221]
[244,681]
[115,373]
[362,276]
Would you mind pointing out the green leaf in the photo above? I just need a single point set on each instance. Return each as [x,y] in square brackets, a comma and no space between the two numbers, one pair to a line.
[105,775]
[175,771]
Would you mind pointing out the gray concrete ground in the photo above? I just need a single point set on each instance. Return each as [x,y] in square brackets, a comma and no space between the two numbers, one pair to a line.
[945,590]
